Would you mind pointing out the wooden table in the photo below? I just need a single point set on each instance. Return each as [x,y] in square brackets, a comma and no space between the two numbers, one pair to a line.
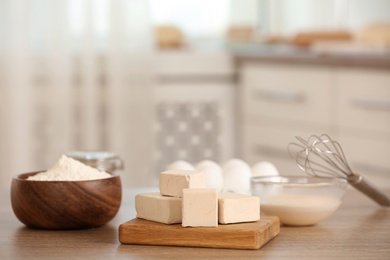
[359,230]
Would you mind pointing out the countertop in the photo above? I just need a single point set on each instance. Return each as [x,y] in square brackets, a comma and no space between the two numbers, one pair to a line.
[315,56]
[360,229]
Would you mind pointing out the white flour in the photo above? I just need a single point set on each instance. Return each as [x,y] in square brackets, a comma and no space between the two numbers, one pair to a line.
[68,169]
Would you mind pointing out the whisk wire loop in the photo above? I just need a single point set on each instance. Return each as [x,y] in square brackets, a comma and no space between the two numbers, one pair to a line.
[332,148]
[318,149]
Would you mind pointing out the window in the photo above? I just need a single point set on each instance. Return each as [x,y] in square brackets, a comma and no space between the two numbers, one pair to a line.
[197,19]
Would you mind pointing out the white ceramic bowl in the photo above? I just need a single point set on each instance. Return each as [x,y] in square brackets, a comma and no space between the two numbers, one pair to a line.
[299,200]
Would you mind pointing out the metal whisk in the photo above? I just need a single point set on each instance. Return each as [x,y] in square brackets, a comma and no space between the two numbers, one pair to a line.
[323,157]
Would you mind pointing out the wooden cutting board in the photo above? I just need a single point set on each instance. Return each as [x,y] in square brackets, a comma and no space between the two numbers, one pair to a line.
[252,235]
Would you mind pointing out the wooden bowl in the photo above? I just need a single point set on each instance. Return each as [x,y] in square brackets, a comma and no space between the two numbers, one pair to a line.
[65,204]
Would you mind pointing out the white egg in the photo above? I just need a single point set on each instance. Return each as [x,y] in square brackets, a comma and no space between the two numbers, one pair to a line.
[213,172]
[237,179]
[235,162]
[207,163]
[180,165]
[264,169]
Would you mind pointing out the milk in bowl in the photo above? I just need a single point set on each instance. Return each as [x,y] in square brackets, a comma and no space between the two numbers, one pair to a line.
[299,201]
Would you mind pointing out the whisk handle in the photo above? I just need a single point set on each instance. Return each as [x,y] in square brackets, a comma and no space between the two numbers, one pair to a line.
[362,185]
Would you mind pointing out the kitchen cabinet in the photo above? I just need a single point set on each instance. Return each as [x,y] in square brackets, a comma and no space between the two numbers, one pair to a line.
[278,101]
[194,108]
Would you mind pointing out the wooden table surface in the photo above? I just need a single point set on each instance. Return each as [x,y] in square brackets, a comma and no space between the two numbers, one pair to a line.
[358,230]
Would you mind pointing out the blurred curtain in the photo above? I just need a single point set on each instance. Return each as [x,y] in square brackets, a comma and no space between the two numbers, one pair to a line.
[74,74]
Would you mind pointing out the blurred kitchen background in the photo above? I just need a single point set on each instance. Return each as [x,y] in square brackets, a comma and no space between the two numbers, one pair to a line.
[161,80]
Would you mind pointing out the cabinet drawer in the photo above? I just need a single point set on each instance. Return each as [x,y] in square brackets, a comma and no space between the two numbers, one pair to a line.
[299,93]
[364,100]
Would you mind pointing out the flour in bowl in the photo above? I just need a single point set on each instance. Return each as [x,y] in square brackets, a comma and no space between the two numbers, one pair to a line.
[68,169]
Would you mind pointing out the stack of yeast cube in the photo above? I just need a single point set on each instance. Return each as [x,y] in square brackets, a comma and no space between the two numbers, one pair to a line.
[184,198]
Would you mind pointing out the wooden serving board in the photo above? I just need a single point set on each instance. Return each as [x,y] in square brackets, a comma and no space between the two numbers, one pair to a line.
[251,235]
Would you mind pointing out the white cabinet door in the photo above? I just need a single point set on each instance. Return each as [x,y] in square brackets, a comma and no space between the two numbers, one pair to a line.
[194,121]
[279,102]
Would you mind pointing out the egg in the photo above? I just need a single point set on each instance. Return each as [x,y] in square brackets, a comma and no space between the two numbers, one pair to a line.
[235,163]
[236,179]
[264,169]
[213,172]
[180,165]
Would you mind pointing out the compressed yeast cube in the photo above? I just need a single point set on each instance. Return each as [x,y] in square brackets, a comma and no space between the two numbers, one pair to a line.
[236,208]
[155,207]
[200,208]
[173,182]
